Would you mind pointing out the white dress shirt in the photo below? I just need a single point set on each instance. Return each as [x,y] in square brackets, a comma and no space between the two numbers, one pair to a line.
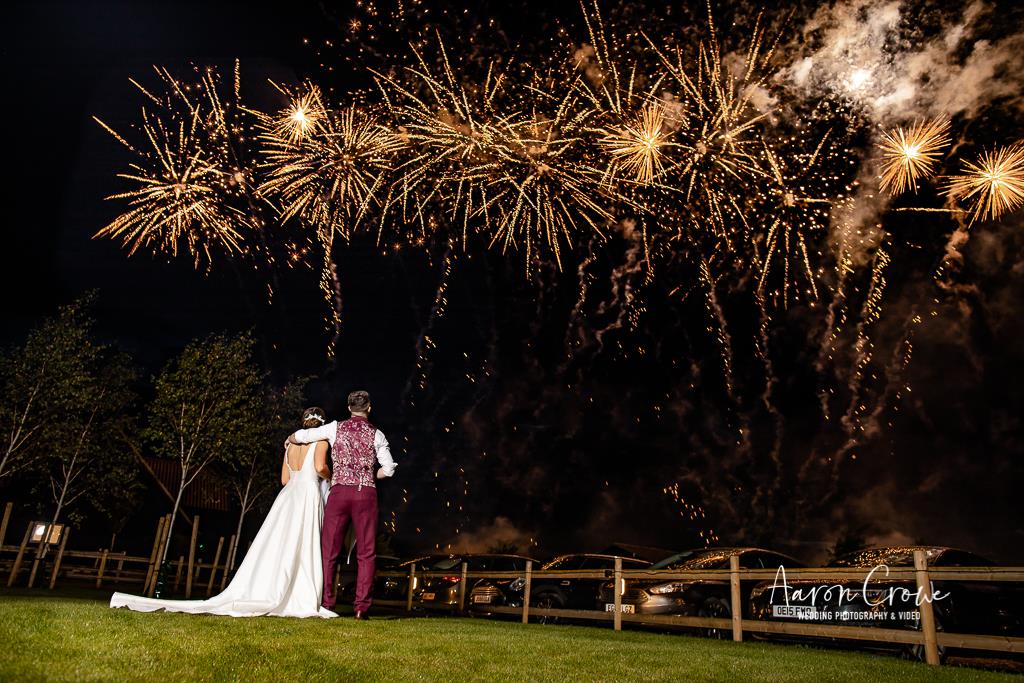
[329,432]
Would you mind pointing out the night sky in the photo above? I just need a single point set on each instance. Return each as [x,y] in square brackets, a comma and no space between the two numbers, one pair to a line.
[542,420]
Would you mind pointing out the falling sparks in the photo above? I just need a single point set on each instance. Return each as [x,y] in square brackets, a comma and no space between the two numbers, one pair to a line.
[684,154]
[909,154]
[993,185]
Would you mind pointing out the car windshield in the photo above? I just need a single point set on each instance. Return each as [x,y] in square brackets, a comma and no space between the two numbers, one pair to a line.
[873,557]
[564,562]
[694,559]
[447,563]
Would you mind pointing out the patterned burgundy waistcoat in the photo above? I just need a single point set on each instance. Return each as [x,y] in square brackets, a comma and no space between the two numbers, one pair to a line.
[354,453]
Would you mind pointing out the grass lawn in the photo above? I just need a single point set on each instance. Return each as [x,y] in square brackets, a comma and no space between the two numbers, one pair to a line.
[77,638]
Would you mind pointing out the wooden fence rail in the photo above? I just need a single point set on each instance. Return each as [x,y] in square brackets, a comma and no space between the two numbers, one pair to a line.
[929,637]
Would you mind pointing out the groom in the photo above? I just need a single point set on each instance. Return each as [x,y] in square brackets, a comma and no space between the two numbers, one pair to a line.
[355,444]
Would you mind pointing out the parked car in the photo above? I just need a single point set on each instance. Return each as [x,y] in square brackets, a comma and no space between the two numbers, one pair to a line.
[551,593]
[687,597]
[397,587]
[346,588]
[444,592]
[994,608]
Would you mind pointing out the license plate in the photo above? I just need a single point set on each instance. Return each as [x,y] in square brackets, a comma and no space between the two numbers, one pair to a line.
[624,608]
[482,598]
[428,596]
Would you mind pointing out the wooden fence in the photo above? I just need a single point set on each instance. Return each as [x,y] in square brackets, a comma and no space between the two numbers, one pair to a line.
[107,567]
[929,637]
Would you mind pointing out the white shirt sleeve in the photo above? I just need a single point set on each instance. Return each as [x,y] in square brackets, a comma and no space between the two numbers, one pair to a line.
[326,432]
[387,463]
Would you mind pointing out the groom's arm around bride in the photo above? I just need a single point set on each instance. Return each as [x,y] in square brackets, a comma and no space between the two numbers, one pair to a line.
[329,432]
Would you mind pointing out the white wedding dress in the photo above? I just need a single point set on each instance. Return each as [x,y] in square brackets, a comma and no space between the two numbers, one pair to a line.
[282,574]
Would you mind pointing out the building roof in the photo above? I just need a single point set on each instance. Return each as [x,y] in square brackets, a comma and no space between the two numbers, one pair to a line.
[206,492]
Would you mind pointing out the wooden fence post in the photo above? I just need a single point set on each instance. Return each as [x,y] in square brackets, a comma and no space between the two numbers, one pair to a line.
[177,572]
[152,553]
[191,557]
[526,591]
[101,568]
[16,567]
[412,586]
[3,524]
[228,565]
[60,555]
[213,569]
[165,540]
[617,589]
[462,588]
[120,566]
[924,588]
[735,601]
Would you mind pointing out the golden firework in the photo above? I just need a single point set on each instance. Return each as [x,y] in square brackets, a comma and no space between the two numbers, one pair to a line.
[909,154]
[509,165]
[301,117]
[992,185]
[331,173]
[179,194]
[638,147]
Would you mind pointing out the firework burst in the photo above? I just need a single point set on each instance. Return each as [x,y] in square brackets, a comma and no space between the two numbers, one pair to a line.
[993,185]
[177,201]
[909,154]
[328,168]
[299,119]
[191,173]
[510,166]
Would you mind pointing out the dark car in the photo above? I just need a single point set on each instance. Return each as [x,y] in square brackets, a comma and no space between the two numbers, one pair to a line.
[994,608]
[692,597]
[443,592]
[347,573]
[397,587]
[551,593]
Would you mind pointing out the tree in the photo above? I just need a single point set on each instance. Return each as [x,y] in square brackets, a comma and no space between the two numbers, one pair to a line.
[38,382]
[258,470]
[204,406]
[83,458]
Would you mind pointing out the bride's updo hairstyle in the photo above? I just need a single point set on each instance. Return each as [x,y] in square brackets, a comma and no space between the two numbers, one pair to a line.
[313,417]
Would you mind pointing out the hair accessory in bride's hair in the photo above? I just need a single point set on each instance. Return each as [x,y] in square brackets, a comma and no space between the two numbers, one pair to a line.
[313,416]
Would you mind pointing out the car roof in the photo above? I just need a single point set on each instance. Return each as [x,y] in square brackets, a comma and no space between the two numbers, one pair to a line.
[600,555]
[730,550]
[933,550]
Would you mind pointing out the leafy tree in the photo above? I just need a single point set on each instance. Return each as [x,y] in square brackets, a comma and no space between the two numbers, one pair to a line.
[39,382]
[84,460]
[116,488]
[204,406]
[258,470]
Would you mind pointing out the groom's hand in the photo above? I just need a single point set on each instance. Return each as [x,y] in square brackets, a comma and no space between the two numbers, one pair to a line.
[381,475]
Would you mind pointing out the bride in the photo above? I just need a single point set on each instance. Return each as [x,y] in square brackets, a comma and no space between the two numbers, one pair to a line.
[282,574]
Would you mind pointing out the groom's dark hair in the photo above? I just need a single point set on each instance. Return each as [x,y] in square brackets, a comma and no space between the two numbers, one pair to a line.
[358,401]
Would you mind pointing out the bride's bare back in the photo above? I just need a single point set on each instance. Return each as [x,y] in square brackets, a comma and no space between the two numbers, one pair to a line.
[296,453]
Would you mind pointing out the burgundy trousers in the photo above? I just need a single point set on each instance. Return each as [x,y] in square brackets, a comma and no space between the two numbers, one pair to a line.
[359,506]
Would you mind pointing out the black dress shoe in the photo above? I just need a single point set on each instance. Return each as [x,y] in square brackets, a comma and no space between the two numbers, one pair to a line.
[362,616]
